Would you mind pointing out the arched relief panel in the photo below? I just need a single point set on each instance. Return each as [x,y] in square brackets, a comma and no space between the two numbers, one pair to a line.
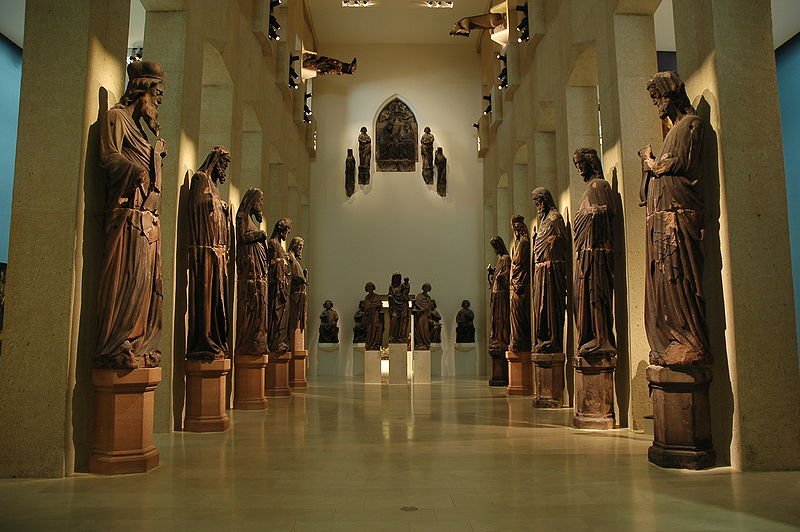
[396,137]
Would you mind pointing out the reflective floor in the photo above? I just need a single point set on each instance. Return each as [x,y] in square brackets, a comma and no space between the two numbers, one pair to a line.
[454,455]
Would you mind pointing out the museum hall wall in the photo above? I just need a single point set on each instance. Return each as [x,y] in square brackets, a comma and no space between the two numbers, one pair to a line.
[398,223]
[10,75]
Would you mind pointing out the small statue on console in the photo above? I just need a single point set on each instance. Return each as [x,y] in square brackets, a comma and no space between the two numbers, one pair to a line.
[436,324]
[426,153]
[364,157]
[465,328]
[360,327]
[350,173]
[328,324]
[441,172]
[373,318]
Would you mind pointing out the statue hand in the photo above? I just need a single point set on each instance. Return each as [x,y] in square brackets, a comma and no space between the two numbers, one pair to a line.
[161,147]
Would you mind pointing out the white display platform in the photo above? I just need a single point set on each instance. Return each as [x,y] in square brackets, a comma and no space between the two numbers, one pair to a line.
[328,357]
[436,360]
[398,364]
[466,360]
[372,367]
[422,367]
[358,360]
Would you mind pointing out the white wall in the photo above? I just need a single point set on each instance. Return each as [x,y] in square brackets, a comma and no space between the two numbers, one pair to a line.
[398,223]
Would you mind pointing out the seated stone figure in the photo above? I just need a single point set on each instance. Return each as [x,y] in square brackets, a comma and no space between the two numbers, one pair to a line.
[324,65]
[465,328]
[328,324]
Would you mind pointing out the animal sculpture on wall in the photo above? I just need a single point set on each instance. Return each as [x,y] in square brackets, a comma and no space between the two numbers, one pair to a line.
[487,21]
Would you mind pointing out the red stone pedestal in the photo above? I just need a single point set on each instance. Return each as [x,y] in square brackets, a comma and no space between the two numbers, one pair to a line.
[548,372]
[499,368]
[297,370]
[520,380]
[123,421]
[594,384]
[682,418]
[276,383]
[205,396]
[248,376]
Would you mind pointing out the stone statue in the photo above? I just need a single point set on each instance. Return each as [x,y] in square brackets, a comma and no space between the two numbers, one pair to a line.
[520,288]
[210,228]
[398,310]
[426,151]
[594,264]
[364,157]
[130,295]
[279,277]
[373,318]
[324,65]
[486,21]
[423,327]
[328,324]
[436,321]
[350,173]
[298,289]
[465,328]
[550,250]
[360,327]
[251,266]
[441,172]
[675,319]
[499,283]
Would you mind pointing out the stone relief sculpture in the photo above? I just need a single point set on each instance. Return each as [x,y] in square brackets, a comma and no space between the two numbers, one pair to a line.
[398,310]
[436,324]
[364,157]
[594,266]
[349,173]
[373,318]
[487,21]
[426,152]
[210,228]
[499,284]
[279,276]
[396,135]
[550,249]
[251,284]
[465,328]
[298,289]
[440,162]
[675,318]
[360,327]
[423,327]
[520,288]
[130,295]
[328,324]
[324,65]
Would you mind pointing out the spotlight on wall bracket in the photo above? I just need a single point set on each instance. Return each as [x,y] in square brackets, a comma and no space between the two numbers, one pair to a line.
[476,126]
[488,107]
[275,3]
[522,27]
[274,27]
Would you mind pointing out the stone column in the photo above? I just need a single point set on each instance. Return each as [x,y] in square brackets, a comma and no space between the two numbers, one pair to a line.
[726,58]
[51,297]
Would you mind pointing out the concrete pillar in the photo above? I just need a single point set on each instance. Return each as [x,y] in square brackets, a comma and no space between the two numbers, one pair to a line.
[56,239]
[521,192]
[726,59]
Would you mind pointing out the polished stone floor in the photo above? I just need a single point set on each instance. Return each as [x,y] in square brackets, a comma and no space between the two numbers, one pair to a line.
[454,455]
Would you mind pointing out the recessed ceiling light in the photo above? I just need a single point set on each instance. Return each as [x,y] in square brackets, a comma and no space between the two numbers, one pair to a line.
[439,4]
[357,3]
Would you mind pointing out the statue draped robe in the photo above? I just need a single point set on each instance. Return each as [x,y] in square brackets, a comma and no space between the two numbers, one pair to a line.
[520,289]
[251,263]
[398,314]
[500,332]
[550,284]
[426,153]
[279,278]
[328,327]
[298,295]
[423,327]
[373,318]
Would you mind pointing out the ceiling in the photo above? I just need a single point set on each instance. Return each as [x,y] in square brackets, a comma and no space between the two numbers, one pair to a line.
[391,22]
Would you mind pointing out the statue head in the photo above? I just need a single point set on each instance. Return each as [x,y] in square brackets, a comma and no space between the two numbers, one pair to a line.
[465,304]
[145,91]
[439,150]
[426,288]
[498,245]
[396,279]
[296,247]
[543,200]
[349,152]
[282,229]
[369,287]
[519,226]
[427,129]
[216,164]
[588,163]
[363,130]
[251,205]
[328,304]
[669,95]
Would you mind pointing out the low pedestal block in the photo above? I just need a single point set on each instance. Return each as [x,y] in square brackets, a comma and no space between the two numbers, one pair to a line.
[328,356]
[297,370]
[398,364]
[248,378]
[358,359]
[499,368]
[594,386]
[520,379]
[372,367]
[436,360]
[205,396]
[466,360]
[548,372]
[422,367]
[123,421]
[276,382]
[682,418]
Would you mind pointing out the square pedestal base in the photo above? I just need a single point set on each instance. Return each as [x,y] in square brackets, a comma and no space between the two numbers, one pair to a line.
[372,367]
[548,372]
[276,377]
[499,375]
[123,421]
[297,370]
[422,367]
[466,360]
[328,356]
[594,385]
[681,417]
[398,364]
[205,396]
[436,360]
[520,379]
[248,376]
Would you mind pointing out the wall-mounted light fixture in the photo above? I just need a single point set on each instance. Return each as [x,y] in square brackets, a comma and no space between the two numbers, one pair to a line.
[522,27]
[488,107]
[503,76]
[274,26]
[357,3]
[293,75]
[438,4]
[307,112]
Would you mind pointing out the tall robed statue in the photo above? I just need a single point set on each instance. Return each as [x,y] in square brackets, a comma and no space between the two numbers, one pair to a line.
[373,318]
[499,277]
[423,325]
[251,283]
[279,279]
[426,153]
[298,290]
[398,310]
[520,288]
[550,252]
[131,295]
[364,157]
[210,229]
